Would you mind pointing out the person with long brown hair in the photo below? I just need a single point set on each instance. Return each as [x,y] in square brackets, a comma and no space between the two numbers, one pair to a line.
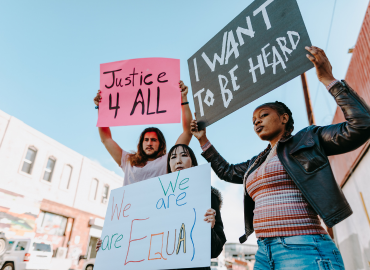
[289,184]
[150,158]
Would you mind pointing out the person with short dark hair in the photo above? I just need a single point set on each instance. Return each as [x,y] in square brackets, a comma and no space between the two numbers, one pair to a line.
[150,158]
[291,182]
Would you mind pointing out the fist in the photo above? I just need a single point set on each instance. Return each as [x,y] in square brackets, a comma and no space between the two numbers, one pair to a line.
[322,64]
[97,99]
[194,128]
[184,90]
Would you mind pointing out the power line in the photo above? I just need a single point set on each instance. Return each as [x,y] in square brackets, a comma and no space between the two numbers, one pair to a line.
[331,23]
[326,48]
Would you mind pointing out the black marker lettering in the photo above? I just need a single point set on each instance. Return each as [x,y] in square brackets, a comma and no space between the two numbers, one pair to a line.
[160,76]
[137,102]
[128,79]
[148,83]
[133,77]
[117,104]
[119,84]
[113,77]
[158,93]
[147,110]
[141,78]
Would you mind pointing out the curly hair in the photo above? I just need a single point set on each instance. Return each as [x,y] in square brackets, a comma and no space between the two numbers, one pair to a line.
[140,158]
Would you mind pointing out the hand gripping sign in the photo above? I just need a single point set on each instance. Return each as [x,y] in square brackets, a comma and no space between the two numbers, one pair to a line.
[158,223]
[259,50]
[140,91]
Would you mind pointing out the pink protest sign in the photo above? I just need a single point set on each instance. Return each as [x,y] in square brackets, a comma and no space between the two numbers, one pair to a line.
[140,91]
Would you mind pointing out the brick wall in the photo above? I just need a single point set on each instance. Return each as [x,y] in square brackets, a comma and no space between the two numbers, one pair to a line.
[79,228]
[358,77]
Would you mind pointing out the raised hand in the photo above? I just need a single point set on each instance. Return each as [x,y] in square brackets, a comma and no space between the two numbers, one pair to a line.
[98,245]
[322,64]
[210,217]
[97,99]
[184,91]
[199,134]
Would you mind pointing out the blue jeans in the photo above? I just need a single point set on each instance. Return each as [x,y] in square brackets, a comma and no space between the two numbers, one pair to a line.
[316,251]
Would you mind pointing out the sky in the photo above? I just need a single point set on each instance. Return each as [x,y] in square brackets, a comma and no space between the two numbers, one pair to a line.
[51,52]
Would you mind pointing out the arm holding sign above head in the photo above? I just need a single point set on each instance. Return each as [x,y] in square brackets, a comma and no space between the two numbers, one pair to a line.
[322,65]
[106,138]
[199,134]
[340,138]
[232,173]
[185,137]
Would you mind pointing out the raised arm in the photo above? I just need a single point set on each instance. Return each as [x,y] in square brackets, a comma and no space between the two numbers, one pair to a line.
[355,131]
[233,173]
[186,135]
[106,138]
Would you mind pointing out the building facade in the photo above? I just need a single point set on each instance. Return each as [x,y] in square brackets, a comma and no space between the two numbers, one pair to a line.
[240,256]
[51,192]
[352,169]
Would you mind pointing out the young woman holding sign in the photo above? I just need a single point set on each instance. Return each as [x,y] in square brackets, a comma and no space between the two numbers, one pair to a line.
[181,157]
[291,182]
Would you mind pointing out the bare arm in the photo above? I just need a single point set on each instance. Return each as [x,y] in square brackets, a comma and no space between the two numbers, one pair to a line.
[113,148]
[186,135]
[106,138]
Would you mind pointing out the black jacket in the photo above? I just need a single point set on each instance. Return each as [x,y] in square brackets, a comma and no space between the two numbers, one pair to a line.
[218,238]
[305,158]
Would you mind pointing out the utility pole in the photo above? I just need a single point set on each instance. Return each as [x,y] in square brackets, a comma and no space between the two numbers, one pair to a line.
[307,98]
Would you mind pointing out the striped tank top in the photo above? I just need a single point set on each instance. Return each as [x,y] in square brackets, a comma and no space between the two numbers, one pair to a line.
[280,207]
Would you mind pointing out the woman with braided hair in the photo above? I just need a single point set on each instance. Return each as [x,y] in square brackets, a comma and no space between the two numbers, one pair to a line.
[290,183]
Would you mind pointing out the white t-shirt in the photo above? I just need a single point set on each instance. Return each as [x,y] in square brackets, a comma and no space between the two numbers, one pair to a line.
[134,174]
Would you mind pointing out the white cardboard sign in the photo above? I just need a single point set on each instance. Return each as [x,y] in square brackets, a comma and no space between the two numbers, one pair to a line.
[158,223]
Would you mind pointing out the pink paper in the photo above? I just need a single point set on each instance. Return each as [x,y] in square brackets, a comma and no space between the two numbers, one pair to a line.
[157,96]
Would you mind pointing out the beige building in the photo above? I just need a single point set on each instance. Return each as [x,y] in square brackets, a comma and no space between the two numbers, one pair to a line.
[49,191]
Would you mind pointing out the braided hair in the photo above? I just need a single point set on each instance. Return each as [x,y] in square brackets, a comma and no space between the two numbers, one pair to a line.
[280,108]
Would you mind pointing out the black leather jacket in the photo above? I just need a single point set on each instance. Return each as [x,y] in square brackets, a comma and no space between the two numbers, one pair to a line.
[305,158]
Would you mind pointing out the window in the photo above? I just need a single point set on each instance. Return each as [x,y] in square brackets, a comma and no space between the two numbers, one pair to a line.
[29,160]
[10,244]
[94,189]
[91,251]
[51,224]
[21,246]
[49,169]
[41,247]
[66,177]
[104,198]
